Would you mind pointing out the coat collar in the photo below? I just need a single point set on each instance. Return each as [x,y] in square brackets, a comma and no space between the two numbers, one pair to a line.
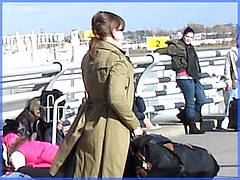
[108,46]
[178,43]
[235,49]
[100,44]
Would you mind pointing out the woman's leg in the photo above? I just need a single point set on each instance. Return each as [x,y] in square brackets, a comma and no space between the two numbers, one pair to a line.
[200,96]
[188,90]
[231,94]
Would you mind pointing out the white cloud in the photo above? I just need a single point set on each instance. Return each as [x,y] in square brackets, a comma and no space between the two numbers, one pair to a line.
[29,9]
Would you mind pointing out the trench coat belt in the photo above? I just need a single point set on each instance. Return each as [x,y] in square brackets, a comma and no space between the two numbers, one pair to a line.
[91,102]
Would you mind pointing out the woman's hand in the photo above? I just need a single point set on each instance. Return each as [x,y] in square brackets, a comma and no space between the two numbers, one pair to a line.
[138,131]
[229,87]
[147,123]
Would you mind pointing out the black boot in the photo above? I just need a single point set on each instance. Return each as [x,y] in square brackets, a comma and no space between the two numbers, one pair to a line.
[198,117]
[194,130]
[181,115]
[190,122]
[185,124]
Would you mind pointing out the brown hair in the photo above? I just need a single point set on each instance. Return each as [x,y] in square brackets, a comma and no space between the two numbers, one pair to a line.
[103,24]
[236,40]
[33,104]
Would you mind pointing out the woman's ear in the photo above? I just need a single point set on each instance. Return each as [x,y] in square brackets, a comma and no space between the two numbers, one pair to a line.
[117,34]
[114,33]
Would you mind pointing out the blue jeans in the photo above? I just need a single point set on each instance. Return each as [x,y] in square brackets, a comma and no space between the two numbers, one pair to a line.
[193,94]
[231,94]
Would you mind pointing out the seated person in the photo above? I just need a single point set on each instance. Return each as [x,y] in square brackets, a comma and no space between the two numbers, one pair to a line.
[44,131]
[6,168]
[34,155]
[59,136]
[30,114]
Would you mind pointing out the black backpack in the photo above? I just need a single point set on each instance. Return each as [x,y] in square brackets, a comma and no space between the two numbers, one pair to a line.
[46,100]
[13,126]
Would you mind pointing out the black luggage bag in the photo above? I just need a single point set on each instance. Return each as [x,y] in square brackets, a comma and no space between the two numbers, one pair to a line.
[47,99]
[233,114]
[158,156]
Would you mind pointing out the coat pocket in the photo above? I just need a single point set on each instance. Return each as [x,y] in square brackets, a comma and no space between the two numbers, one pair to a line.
[102,74]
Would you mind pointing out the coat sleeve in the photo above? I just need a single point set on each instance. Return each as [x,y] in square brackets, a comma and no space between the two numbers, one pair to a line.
[118,89]
[227,69]
[178,62]
[24,121]
[161,51]
[17,160]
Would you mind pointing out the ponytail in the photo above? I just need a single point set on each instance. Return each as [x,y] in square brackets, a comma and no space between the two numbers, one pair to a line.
[92,47]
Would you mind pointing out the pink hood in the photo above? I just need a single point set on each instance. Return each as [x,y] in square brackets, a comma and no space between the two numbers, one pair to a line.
[36,153]
[9,139]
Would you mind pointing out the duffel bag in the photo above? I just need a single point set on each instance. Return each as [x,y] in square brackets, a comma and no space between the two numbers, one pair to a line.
[157,156]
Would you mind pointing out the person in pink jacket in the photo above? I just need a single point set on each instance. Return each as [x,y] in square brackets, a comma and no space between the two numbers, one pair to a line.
[22,153]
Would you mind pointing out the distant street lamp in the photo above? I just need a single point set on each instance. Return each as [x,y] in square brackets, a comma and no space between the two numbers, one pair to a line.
[205,29]
[234,26]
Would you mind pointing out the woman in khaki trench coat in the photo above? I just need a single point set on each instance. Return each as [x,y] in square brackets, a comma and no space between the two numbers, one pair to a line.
[99,139]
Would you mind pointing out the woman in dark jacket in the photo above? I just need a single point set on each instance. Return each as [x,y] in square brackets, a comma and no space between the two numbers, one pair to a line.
[186,65]
[30,114]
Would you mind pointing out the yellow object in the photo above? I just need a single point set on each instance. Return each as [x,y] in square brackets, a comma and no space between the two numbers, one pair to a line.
[157,42]
[88,34]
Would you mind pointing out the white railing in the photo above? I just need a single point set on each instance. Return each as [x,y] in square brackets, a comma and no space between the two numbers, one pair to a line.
[21,84]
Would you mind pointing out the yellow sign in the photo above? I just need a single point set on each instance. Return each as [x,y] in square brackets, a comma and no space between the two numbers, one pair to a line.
[88,34]
[156,42]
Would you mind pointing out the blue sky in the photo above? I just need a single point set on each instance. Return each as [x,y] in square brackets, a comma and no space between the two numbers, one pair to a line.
[64,16]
